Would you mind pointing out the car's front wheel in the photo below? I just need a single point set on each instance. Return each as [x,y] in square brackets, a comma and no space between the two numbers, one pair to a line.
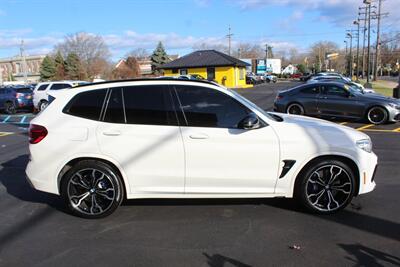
[326,186]
[377,115]
[295,109]
[92,189]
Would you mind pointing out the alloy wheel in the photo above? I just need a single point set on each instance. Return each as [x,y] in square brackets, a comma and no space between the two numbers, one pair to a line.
[43,105]
[328,188]
[377,115]
[295,109]
[10,108]
[91,191]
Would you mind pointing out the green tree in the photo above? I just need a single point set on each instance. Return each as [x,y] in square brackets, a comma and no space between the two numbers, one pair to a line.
[301,68]
[47,69]
[158,58]
[73,67]
[60,66]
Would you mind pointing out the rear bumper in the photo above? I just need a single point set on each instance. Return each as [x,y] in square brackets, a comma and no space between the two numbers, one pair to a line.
[41,178]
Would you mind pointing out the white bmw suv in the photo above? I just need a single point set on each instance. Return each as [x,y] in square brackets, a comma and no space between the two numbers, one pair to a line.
[157,138]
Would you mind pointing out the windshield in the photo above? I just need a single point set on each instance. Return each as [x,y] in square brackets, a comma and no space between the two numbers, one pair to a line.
[354,89]
[252,105]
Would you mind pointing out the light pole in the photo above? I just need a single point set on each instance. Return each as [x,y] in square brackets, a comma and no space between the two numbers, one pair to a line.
[349,35]
[368,3]
[346,62]
[357,22]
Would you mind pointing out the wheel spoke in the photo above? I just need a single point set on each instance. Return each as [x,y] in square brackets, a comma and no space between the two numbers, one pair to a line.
[341,188]
[80,182]
[95,205]
[320,194]
[330,199]
[104,193]
[80,199]
[318,180]
[334,176]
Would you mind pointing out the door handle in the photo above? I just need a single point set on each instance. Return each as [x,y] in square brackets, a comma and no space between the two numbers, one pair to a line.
[112,133]
[198,136]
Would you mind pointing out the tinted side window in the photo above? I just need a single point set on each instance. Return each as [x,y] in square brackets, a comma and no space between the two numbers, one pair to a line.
[334,90]
[58,86]
[205,107]
[87,105]
[149,104]
[115,109]
[310,90]
[42,87]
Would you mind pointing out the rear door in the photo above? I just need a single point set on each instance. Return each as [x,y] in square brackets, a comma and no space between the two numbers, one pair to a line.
[336,101]
[140,130]
[308,97]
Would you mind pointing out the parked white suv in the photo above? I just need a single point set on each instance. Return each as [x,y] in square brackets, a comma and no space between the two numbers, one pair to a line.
[41,91]
[100,143]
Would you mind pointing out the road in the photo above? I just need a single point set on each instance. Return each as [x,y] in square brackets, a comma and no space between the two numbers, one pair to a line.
[35,230]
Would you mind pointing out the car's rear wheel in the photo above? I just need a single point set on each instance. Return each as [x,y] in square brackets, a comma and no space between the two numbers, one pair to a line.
[43,104]
[295,109]
[92,189]
[377,115]
[9,108]
[326,186]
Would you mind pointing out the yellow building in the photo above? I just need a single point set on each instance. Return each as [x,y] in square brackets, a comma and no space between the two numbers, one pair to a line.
[212,65]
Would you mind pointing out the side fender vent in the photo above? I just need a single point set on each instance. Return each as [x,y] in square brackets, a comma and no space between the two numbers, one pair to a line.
[288,164]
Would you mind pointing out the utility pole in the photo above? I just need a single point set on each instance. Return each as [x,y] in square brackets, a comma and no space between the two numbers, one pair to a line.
[266,57]
[357,22]
[350,35]
[368,3]
[378,41]
[229,36]
[346,62]
[23,61]
[364,33]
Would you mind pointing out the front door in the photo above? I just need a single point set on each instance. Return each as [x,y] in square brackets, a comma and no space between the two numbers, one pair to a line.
[144,138]
[336,101]
[220,157]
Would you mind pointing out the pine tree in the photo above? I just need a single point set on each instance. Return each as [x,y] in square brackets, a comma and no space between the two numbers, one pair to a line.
[47,69]
[73,67]
[158,58]
[60,67]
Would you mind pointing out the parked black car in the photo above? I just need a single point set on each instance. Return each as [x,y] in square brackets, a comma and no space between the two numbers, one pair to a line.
[337,100]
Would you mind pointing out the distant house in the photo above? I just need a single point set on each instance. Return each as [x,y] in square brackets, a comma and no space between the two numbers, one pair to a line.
[290,69]
[210,64]
[144,65]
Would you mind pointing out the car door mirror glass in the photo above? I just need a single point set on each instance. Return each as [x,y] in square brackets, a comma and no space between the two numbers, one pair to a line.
[250,122]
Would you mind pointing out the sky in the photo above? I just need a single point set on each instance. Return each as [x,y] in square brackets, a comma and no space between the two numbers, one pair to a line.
[180,24]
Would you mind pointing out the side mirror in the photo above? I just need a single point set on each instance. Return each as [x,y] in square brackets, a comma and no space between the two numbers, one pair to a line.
[250,122]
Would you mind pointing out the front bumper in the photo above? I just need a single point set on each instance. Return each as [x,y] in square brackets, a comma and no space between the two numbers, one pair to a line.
[368,168]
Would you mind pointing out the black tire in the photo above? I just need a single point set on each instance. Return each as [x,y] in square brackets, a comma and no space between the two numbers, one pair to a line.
[377,115]
[268,80]
[42,105]
[295,109]
[92,189]
[329,191]
[275,81]
[9,108]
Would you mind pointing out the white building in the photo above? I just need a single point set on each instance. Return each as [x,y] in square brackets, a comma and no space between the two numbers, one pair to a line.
[289,69]
[13,67]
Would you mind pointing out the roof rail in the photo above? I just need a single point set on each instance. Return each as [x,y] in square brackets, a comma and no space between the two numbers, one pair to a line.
[162,78]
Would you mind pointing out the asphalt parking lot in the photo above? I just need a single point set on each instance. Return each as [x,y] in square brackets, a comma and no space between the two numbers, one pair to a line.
[35,230]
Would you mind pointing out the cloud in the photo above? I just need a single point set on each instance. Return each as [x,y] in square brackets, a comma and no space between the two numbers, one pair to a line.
[202,3]
[121,43]
[338,12]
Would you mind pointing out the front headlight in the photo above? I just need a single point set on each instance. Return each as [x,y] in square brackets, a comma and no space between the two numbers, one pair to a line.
[365,144]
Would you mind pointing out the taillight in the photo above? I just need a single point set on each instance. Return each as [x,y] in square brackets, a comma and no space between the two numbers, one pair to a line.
[19,95]
[278,97]
[36,133]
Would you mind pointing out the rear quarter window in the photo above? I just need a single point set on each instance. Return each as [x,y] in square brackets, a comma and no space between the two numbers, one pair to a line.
[59,86]
[87,105]
[42,87]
